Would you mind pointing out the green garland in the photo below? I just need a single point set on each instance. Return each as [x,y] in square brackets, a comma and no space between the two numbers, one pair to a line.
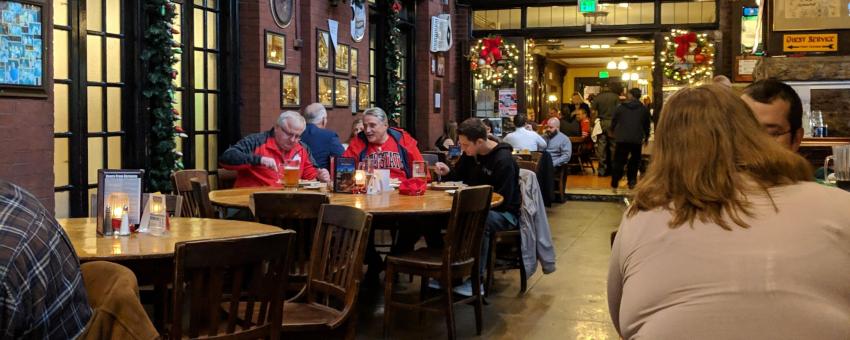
[159,55]
[395,87]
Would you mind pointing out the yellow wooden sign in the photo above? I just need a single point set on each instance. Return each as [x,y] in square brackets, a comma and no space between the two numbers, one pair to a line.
[810,42]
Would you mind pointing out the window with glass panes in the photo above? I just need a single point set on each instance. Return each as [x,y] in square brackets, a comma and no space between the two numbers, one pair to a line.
[200,93]
[373,77]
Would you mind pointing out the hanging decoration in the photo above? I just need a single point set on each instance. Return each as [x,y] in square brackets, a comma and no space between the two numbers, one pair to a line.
[395,87]
[688,57]
[494,62]
[159,55]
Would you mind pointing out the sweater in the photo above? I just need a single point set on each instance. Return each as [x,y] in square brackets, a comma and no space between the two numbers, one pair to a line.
[631,123]
[323,144]
[560,147]
[498,169]
[525,139]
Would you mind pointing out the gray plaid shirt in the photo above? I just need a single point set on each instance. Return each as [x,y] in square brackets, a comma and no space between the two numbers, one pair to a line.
[41,290]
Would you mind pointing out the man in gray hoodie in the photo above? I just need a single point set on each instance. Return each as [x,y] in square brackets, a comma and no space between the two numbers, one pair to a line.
[631,129]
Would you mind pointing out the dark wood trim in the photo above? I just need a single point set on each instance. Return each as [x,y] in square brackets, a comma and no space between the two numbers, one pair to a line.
[229,76]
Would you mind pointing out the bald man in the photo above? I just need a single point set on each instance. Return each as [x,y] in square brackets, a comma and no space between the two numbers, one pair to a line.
[557,144]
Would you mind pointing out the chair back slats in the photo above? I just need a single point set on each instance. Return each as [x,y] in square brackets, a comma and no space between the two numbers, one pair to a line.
[536,156]
[298,211]
[528,165]
[337,257]
[226,178]
[430,158]
[183,187]
[201,196]
[236,270]
[466,224]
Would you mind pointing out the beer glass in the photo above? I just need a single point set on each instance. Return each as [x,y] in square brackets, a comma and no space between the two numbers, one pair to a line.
[291,173]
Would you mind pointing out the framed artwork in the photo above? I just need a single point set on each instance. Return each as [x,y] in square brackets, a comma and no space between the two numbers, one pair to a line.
[353,62]
[433,63]
[441,64]
[352,97]
[23,51]
[290,90]
[810,15]
[341,98]
[358,21]
[282,12]
[323,51]
[325,90]
[438,91]
[275,50]
[363,95]
[341,62]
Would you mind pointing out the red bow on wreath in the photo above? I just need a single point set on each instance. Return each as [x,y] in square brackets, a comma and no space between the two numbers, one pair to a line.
[683,42]
[491,51]
[396,7]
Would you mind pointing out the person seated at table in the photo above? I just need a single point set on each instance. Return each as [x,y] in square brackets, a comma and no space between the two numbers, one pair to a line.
[449,137]
[558,145]
[42,294]
[322,143]
[524,138]
[778,109]
[384,147]
[258,158]
[747,247]
[485,162]
[490,135]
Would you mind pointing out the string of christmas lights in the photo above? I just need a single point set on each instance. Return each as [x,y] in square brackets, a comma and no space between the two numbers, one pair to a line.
[493,62]
[688,57]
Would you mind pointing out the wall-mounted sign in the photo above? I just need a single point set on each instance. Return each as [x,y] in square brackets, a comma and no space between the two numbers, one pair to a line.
[810,42]
[810,15]
[603,75]
[587,6]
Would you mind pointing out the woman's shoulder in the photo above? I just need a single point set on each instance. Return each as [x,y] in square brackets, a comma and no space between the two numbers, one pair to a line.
[817,196]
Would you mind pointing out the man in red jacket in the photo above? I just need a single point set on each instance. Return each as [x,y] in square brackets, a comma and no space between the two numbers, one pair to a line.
[257,157]
[384,147]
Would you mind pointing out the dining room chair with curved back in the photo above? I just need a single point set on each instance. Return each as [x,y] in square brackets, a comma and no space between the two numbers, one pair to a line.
[226,178]
[459,258]
[430,158]
[298,211]
[230,288]
[201,196]
[528,165]
[181,180]
[326,307]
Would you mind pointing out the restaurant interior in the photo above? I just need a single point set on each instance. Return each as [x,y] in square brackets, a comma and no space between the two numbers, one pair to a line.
[335,168]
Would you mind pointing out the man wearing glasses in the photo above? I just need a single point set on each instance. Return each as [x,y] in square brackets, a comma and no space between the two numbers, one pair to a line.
[258,158]
[778,109]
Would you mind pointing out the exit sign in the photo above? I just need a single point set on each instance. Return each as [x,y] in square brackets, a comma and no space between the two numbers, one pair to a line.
[587,6]
[603,74]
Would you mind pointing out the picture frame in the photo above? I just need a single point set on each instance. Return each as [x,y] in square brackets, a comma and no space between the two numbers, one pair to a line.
[807,15]
[352,97]
[353,61]
[363,99]
[325,90]
[341,98]
[323,51]
[23,50]
[341,59]
[275,48]
[438,91]
[290,90]
[282,11]
[441,65]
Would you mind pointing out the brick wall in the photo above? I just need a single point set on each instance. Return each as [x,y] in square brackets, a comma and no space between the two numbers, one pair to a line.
[26,134]
[429,125]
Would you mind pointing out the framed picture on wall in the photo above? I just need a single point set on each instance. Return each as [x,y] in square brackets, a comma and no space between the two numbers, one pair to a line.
[810,15]
[275,50]
[363,95]
[290,90]
[341,98]
[325,90]
[353,62]
[341,62]
[441,64]
[323,51]
[23,51]
[352,97]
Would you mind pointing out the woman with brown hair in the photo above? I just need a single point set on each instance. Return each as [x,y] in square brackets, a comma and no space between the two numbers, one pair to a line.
[726,237]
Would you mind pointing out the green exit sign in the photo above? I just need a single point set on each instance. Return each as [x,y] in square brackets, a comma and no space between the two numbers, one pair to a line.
[587,6]
[603,74]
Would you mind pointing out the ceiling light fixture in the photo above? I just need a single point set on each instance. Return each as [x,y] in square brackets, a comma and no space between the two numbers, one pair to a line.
[612,65]
[622,65]
[624,4]
[606,46]
[584,46]
[594,46]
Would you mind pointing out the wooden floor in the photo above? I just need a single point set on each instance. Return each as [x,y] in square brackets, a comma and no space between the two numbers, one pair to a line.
[591,184]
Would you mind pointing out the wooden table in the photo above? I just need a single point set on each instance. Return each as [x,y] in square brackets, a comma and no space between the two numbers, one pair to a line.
[434,202]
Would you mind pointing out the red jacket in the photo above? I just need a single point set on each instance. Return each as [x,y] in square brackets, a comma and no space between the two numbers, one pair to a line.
[244,157]
[397,154]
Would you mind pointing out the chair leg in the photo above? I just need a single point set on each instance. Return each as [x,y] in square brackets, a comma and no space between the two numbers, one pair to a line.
[491,260]
[388,295]
[476,291]
[446,284]
[523,282]
[423,289]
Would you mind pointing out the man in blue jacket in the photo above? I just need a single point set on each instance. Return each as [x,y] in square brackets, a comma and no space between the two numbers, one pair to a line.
[322,143]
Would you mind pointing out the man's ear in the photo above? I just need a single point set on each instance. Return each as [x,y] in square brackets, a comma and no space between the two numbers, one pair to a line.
[796,139]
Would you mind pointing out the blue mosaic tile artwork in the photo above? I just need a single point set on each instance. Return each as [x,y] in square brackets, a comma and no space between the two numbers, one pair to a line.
[20,44]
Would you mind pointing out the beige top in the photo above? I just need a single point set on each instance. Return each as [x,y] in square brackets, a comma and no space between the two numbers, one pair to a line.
[786,277]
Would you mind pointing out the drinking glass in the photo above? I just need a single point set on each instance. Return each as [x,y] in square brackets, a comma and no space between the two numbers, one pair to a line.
[291,173]
[420,170]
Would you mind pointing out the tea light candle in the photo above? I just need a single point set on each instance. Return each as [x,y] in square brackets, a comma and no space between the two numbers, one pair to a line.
[359,177]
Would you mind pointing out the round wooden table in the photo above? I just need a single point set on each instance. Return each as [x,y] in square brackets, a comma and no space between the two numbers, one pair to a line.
[90,247]
[388,203]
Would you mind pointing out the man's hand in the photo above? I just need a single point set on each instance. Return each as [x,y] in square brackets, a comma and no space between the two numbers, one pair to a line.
[323,175]
[269,163]
[441,168]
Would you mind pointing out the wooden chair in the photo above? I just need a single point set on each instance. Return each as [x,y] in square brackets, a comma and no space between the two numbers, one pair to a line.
[298,211]
[536,156]
[430,158]
[458,258]
[183,187]
[201,196]
[505,254]
[327,305]
[528,165]
[245,275]
[561,174]
[442,156]
[226,178]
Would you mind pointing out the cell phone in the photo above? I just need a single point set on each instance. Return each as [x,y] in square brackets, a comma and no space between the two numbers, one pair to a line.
[454,151]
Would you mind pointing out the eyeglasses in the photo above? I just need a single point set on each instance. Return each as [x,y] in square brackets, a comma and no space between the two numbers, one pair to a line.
[777,134]
[288,135]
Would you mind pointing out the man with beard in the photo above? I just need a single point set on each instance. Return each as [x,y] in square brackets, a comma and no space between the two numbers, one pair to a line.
[557,143]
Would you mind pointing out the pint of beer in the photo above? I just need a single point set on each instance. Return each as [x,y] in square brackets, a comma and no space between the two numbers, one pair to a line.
[291,173]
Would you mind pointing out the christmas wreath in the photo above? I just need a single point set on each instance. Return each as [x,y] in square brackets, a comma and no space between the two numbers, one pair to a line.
[688,57]
[493,62]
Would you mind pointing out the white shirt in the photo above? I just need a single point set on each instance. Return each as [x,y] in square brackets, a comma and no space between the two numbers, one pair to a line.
[525,139]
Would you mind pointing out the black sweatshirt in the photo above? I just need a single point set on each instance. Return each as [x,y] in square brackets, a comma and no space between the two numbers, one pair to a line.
[497,168]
